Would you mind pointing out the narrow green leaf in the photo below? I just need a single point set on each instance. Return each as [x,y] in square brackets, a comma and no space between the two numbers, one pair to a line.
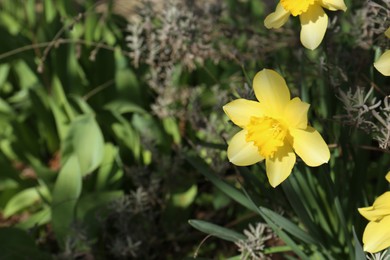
[226,188]
[124,106]
[27,77]
[277,249]
[217,231]
[4,71]
[126,135]
[109,173]
[171,127]
[359,253]
[10,22]
[66,192]
[287,225]
[50,10]
[278,229]
[30,12]
[22,200]
[38,218]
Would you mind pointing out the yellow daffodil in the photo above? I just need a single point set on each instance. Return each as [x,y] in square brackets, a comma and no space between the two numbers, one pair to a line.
[273,128]
[376,236]
[314,20]
[383,63]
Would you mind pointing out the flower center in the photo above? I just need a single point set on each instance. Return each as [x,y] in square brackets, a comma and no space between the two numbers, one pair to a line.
[296,7]
[267,133]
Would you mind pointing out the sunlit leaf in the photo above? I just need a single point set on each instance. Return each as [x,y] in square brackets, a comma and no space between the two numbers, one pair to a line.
[66,193]
[84,140]
[23,199]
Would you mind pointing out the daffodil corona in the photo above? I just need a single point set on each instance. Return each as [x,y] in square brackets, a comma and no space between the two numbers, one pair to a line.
[273,128]
[383,63]
[314,20]
[376,236]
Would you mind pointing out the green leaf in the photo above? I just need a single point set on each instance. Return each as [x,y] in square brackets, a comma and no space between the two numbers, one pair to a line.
[287,225]
[126,135]
[38,218]
[359,253]
[185,199]
[50,10]
[226,188]
[27,77]
[109,173]
[66,193]
[217,231]
[4,70]
[24,199]
[124,106]
[5,108]
[126,81]
[45,123]
[91,24]
[85,140]
[278,229]
[16,244]
[171,127]
[10,22]
[30,12]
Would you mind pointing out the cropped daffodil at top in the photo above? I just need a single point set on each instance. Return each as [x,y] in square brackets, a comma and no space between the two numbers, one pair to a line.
[314,20]
[383,63]
[376,236]
[273,128]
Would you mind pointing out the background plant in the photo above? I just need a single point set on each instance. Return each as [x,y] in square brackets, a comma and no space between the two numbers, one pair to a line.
[112,133]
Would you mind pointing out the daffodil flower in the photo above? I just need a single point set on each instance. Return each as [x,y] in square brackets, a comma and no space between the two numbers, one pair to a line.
[383,63]
[314,20]
[376,236]
[273,128]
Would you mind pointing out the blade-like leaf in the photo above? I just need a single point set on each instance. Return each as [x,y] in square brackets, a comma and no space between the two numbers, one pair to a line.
[23,199]
[226,188]
[215,230]
[359,253]
[66,192]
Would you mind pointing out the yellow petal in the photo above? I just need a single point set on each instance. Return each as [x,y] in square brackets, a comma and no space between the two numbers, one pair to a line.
[383,201]
[334,5]
[314,23]
[277,19]
[272,92]
[387,33]
[243,153]
[295,113]
[379,209]
[388,177]
[310,146]
[376,236]
[366,212]
[383,63]
[279,167]
[241,110]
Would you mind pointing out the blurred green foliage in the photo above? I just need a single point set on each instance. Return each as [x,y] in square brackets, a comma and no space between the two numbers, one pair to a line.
[97,161]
